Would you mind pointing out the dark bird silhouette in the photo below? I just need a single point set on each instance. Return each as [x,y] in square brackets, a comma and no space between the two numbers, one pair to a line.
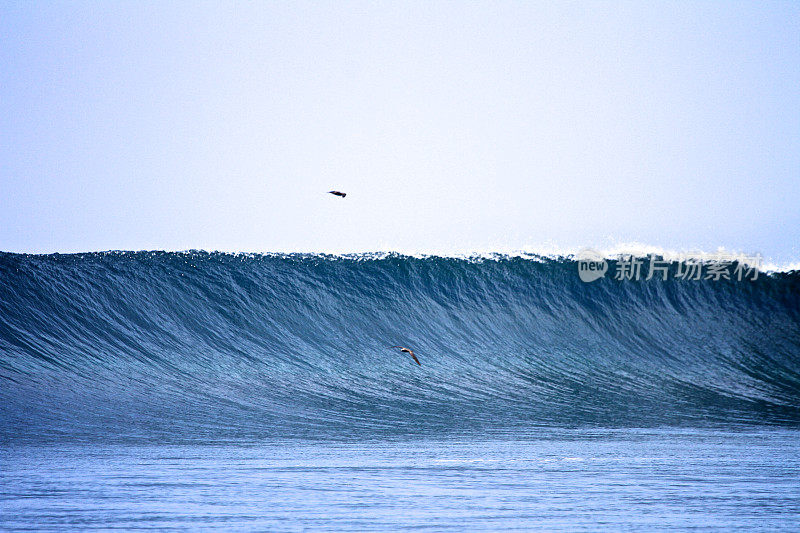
[338,193]
[409,352]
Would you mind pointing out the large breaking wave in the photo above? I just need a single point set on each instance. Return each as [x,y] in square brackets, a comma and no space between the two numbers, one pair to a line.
[215,346]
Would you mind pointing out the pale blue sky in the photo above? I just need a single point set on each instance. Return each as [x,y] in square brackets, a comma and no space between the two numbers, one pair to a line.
[452,126]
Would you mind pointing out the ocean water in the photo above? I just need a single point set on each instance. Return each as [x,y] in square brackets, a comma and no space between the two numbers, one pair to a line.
[258,392]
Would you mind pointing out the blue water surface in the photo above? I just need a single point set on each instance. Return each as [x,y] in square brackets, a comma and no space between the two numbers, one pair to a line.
[571,480]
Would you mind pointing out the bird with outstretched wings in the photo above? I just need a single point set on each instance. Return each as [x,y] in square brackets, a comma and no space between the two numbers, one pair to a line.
[403,349]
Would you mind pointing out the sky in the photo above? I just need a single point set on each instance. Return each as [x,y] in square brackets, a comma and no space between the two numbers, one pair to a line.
[451,126]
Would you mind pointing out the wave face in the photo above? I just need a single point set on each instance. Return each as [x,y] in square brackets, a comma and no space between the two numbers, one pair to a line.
[195,345]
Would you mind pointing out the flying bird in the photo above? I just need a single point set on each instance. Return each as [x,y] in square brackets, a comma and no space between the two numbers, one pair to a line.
[338,193]
[409,352]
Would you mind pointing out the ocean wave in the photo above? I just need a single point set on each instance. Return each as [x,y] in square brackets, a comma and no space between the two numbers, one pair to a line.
[215,345]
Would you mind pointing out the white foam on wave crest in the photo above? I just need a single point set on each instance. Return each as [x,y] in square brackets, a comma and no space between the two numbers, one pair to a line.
[537,252]
[554,251]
